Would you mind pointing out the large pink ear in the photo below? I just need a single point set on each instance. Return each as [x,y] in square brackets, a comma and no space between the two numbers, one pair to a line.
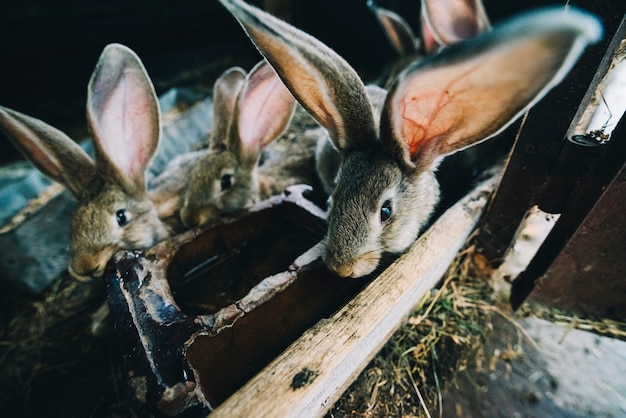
[446,22]
[263,112]
[124,118]
[225,93]
[472,90]
[52,152]
[323,82]
[398,31]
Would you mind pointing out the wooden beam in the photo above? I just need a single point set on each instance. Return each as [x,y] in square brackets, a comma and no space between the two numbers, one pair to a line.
[308,377]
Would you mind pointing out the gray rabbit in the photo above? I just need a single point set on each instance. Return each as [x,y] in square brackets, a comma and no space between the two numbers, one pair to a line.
[385,188]
[253,113]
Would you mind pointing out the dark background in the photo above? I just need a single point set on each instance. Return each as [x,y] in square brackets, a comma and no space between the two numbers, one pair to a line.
[49,49]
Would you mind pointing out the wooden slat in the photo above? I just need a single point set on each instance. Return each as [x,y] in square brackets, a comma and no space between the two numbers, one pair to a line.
[313,372]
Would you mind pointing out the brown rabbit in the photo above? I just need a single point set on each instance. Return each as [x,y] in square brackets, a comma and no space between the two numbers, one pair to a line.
[385,189]
[250,112]
[114,211]
[443,23]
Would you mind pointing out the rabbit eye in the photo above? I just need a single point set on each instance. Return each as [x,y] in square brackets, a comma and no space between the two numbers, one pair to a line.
[386,211]
[226,181]
[120,217]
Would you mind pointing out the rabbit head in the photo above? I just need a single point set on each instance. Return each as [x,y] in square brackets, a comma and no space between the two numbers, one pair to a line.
[385,189]
[113,211]
[249,113]
[443,22]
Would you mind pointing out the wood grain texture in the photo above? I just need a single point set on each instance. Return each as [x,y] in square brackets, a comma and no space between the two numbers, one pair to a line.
[308,377]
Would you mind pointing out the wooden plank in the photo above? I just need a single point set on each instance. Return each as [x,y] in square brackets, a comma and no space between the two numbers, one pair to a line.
[313,372]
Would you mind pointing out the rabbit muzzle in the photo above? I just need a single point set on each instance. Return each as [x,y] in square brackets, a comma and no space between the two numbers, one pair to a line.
[86,267]
[194,217]
[354,268]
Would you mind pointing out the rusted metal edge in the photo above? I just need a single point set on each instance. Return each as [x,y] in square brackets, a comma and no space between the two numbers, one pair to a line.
[540,138]
[590,173]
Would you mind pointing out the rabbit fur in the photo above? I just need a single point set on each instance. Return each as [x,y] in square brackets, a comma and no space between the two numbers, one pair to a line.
[114,210]
[252,153]
[385,188]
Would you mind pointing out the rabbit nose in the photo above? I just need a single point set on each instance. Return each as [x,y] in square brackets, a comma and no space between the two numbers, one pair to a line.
[194,218]
[188,220]
[84,275]
[343,271]
[84,269]
[340,269]
[190,217]
[356,268]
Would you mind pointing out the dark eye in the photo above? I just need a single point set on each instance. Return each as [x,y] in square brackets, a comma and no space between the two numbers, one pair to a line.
[386,211]
[226,182]
[120,217]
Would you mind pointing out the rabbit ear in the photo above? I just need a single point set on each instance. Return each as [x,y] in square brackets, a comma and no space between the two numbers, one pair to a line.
[430,44]
[398,31]
[264,110]
[323,82]
[472,90]
[124,117]
[53,152]
[446,22]
[225,92]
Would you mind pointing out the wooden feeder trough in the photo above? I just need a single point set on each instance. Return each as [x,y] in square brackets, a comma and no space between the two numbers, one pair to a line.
[244,315]
[201,313]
